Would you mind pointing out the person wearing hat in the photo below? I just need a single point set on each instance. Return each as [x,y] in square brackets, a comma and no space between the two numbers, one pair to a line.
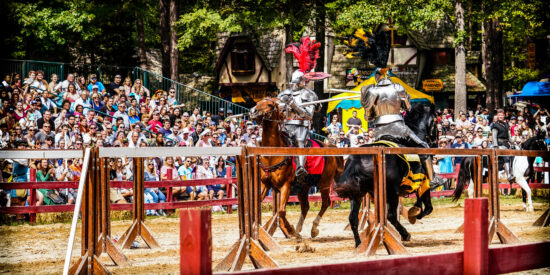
[185,137]
[249,132]
[445,162]
[95,84]
[205,139]
[219,117]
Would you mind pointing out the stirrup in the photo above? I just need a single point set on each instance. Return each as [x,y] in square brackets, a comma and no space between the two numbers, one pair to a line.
[301,173]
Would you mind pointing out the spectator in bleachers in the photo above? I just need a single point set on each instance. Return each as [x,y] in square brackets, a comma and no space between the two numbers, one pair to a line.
[45,172]
[64,86]
[114,87]
[126,87]
[156,195]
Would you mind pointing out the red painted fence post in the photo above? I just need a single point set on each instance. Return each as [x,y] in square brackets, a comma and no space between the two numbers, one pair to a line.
[195,241]
[476,236]
[169,196]
[32,195]
[229,189]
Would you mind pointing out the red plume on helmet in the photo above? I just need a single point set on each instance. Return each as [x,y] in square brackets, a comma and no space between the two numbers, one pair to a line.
[306,53]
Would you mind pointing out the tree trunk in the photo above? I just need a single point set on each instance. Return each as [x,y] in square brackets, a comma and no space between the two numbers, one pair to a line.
[165,37]
[493,63]
[541,53]
[289,63]
[141,40]
[320,28]
[173,41]
[470,26]
[460,63]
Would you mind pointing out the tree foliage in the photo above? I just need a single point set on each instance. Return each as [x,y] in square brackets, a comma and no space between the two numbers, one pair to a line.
[349,15]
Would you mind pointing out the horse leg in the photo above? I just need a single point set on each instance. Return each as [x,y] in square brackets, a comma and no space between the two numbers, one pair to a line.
[286,227]
[325,196]
[426,199]
[304,207]
[526,192]
[520,165]
[471,192]
[354,220]
[393,201]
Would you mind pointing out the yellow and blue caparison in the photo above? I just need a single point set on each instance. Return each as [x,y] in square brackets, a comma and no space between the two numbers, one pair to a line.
[415,180]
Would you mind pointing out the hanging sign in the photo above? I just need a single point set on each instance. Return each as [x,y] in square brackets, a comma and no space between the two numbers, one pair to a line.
[432,85]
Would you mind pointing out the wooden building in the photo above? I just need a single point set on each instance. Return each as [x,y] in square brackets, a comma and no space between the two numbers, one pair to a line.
[250,68]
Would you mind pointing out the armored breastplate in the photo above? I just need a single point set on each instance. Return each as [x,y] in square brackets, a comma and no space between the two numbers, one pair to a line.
[299,97]
[386,102]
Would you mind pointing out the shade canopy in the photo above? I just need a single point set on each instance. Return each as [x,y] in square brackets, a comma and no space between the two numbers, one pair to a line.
[534,89]
[350,105]
[416,96]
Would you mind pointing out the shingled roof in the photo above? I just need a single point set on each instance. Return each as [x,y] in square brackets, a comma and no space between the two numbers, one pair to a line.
[447,75]
[268,47]
[439,34]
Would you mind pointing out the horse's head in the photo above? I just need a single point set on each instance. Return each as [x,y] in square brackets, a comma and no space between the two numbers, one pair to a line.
[265,109]
[538,142]
[421,119]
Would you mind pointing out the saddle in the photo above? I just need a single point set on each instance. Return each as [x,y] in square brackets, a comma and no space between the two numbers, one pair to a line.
[415,180]
[314,164]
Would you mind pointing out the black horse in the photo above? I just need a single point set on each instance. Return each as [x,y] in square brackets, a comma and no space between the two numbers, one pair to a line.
[357,178]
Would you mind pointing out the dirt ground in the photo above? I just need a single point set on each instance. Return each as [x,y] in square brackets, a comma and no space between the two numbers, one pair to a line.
[41,249]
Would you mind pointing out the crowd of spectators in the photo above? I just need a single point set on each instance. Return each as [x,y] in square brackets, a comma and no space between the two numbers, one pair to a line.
[470,130]
[77,112]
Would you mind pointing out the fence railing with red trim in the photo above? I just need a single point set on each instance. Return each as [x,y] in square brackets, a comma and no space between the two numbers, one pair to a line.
[229,201]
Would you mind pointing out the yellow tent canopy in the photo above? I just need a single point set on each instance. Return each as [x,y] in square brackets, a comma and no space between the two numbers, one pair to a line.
[349,106]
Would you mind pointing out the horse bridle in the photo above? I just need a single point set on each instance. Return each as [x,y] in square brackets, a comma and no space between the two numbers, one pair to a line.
[267,117]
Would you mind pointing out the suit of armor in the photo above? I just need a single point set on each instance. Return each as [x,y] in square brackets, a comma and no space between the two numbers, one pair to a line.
[298,118]
[383,103]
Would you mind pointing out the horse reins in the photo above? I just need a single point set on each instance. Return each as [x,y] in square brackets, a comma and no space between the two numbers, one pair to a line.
[267,117]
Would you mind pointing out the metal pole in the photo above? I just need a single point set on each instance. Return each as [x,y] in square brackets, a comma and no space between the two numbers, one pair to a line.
[76,211]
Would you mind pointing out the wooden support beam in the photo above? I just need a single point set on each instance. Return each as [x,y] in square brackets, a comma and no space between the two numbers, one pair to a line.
[252,234]
[195,241]
[138,227]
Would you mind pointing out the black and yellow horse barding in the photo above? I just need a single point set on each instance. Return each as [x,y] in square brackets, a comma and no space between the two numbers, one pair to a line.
[402,177]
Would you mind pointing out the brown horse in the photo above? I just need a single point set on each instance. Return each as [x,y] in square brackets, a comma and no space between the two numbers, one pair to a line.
[278,171]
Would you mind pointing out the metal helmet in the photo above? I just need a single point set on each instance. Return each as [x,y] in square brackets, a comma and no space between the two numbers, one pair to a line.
[296,77]
[384,82]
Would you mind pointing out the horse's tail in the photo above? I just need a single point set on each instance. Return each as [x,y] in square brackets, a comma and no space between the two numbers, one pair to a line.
[464,176]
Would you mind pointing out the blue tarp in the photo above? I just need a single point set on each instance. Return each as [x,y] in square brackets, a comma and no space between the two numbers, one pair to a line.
[534,89]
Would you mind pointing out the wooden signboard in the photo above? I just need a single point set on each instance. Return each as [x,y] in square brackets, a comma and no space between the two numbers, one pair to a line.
[432,85]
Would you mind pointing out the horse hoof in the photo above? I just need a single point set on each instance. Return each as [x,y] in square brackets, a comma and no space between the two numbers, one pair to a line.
[414,211]
[314,232]
[530,209]
[406,237]
[412,219]
[296,236]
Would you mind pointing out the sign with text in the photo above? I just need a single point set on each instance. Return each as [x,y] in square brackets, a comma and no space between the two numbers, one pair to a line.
[432,85]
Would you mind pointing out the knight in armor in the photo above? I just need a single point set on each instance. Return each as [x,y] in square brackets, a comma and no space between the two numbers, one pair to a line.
[298,115]
[383,103]
[501,139]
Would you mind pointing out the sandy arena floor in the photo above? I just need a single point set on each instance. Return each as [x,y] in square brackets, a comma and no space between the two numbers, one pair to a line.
[41,249]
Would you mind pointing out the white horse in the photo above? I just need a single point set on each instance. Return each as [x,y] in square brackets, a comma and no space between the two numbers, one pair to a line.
[522,169]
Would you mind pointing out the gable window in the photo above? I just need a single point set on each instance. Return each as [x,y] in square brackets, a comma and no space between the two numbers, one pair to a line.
[242,59]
